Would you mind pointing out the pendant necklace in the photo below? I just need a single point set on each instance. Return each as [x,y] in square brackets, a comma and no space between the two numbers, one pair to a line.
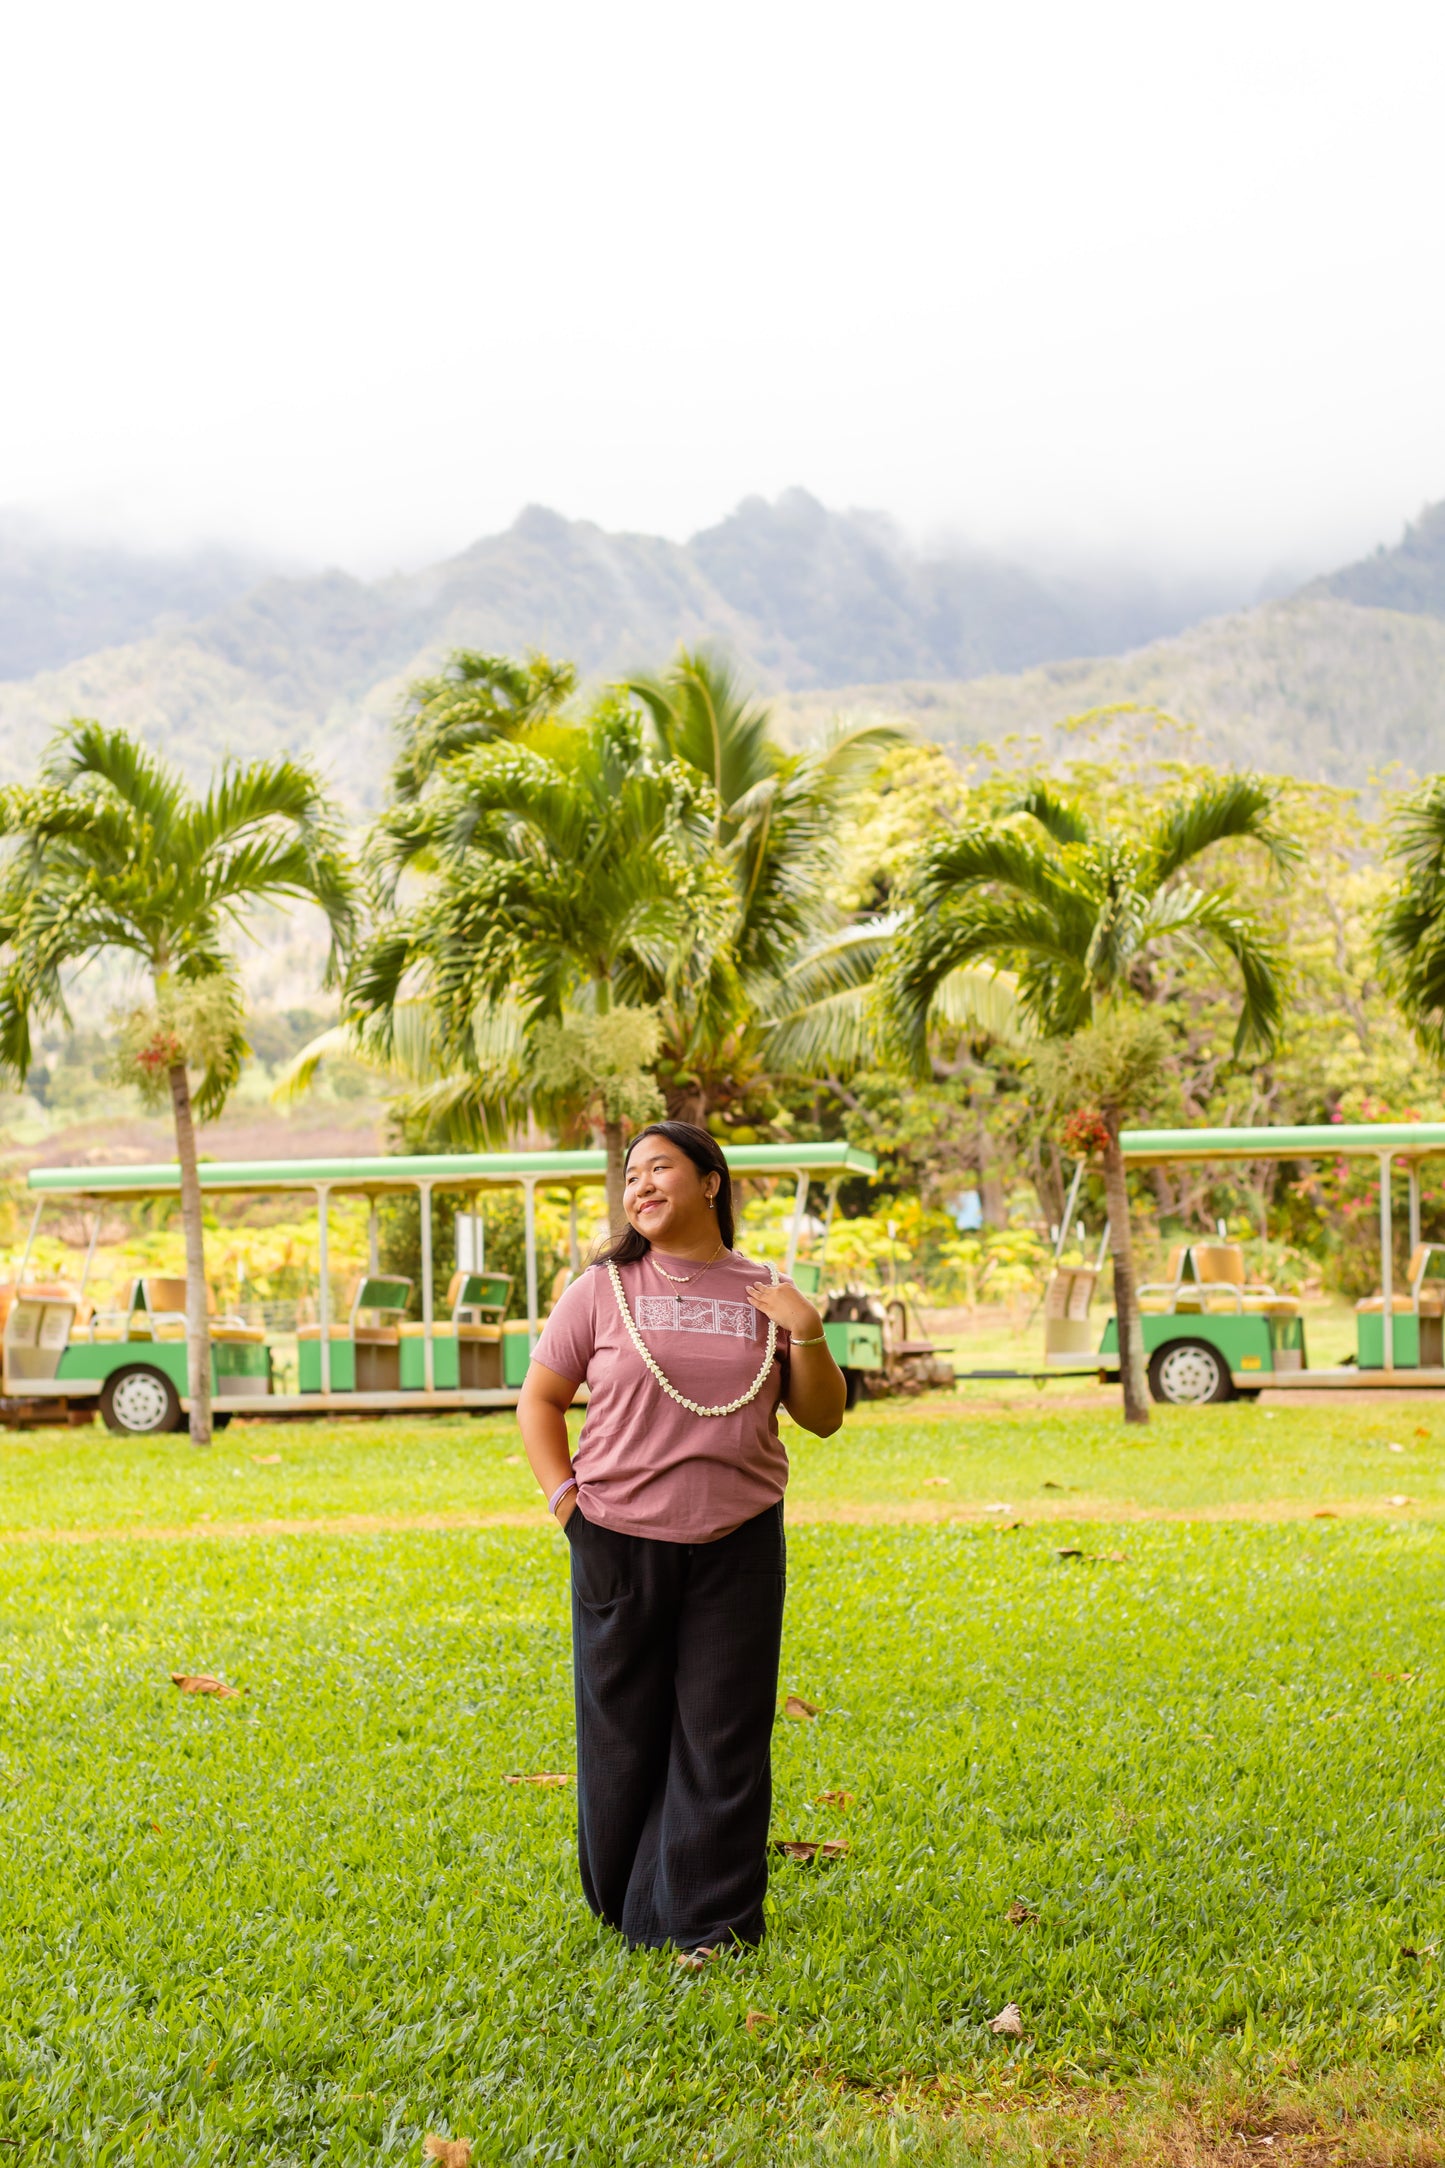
[684,1279]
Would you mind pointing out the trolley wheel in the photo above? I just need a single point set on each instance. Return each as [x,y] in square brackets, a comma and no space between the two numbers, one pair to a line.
[139,1401]
[1189,1374]
[853,1379]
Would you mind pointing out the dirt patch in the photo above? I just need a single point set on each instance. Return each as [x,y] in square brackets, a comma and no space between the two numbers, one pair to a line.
[1025,2129]
[339,1524]
[903,1513]
[1033,1513]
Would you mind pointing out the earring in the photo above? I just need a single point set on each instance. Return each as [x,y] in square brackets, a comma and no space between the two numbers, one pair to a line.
[711,1202]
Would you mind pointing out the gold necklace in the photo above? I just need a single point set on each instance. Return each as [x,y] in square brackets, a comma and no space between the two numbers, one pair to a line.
[685,1279]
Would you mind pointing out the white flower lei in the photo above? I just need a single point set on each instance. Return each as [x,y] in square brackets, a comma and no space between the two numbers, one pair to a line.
[666,1383]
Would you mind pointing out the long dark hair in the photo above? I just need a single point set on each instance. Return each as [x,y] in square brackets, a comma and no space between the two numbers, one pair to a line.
[706,1155]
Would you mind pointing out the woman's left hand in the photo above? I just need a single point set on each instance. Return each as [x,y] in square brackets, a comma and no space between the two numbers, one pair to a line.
[786,1307]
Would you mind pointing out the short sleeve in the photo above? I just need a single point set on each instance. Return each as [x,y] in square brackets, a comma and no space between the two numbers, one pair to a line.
[569,1335]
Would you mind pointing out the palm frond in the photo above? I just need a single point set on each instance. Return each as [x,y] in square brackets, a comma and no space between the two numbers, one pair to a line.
[1056,815]
[1228,808]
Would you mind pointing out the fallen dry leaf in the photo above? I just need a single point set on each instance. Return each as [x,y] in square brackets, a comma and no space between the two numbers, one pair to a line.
[157,1828]
[1009,2020]
[542,1776]
[1049,1484]
[1325,1513]
[1427,1949]
[1400,1499]
[201,1682]
[932,1479]
[451,2152]
[1005,1528]
[756,2018]
[1421,1431]
[1070,1550]
[998,1506]
[835,1799]
[808,1849]
[1018,1913]
[267,1460]
[802,1712]
[512,1460]
[1392,1677]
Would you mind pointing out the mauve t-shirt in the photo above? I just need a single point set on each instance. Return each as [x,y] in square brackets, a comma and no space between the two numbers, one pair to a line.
[645,1466]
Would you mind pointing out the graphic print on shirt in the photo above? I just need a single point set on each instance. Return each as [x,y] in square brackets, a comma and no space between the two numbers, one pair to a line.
[662,1313]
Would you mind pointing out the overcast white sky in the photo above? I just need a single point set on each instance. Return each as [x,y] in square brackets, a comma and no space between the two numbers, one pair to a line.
[357,282]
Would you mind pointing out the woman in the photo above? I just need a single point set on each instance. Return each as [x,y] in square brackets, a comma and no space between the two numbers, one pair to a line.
[674,1516]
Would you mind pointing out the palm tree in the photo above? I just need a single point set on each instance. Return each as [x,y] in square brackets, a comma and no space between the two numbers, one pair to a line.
[765,981]
[568,871]
[1080,913]
[110,852]
[474,700]
[774,830]
[1411,928]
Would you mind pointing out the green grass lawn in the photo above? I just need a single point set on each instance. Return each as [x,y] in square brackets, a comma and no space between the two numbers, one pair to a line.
[314,1923]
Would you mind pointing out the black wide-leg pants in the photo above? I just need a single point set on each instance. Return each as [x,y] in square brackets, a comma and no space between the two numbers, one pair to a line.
[675,1655]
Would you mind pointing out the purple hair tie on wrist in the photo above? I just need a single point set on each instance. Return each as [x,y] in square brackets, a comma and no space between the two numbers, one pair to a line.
[560,1493]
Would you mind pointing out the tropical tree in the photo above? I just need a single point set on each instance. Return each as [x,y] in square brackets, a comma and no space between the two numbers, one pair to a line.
[109,853]
[774,829]
[476,699]
[758,974]
[1081,913]
[1411,927]
[567,871]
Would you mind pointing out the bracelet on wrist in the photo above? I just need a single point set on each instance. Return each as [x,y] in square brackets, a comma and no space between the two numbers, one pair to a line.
[819,1339]
[560,1493]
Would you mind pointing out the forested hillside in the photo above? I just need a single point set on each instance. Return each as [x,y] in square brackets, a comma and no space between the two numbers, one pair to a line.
[798,595]
[824,610]
[1409,577]
[1324,690]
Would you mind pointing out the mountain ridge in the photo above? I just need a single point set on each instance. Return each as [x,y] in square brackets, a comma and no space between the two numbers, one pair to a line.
[819,609]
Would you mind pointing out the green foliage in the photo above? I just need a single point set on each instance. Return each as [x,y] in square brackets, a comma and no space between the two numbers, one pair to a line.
[1412,921]
[194,1024]
[110,852]
[504,1235]
[1118,1065]
[578,862]
[599,1066]
[1082,909]
[476,700]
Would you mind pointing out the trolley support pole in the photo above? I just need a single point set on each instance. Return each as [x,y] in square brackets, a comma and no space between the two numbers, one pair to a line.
[1387,1263]
[428,1347]
[800,1206]
[1069,1203]
[529,1218]
[1414,1206]
[30,1242]
[833,1188]
[89,1252]
[373,1240]
[323,1296]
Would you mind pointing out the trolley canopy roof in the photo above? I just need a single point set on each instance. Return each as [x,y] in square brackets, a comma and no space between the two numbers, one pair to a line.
[450,1170]
[1318,1140]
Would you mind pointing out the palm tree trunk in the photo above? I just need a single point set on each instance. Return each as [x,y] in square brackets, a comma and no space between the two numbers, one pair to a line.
[612,1141]
[1126,1300]
[198,1339]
